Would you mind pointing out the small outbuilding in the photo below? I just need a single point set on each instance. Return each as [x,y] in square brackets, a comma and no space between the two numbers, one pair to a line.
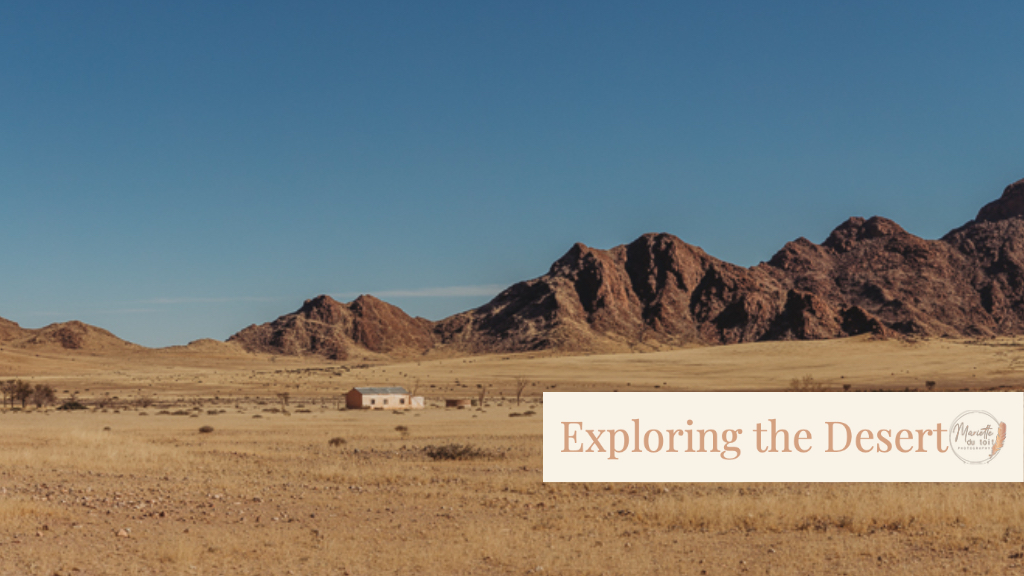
[382,398]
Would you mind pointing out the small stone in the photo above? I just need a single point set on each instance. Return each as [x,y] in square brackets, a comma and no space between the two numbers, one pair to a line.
[122,533]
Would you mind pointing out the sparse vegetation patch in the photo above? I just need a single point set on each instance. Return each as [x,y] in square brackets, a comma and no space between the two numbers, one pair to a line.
[457,452]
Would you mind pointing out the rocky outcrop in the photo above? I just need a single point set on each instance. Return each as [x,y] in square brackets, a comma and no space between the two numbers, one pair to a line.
[329,328]
[10,331]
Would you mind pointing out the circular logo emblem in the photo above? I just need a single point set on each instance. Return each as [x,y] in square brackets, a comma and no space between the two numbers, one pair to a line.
[976,436]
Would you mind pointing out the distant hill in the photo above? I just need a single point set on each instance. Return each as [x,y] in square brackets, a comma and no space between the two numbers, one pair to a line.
[329,328]
[73,335]
[868,276]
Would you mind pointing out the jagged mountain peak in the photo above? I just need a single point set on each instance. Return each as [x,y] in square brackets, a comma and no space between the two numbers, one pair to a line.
[869,276]
[1009,205]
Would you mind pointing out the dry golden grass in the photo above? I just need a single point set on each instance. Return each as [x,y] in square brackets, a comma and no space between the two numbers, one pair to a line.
[272,495]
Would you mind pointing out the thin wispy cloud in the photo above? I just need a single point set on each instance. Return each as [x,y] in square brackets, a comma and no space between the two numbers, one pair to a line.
[127,311]
[94,312]
[440,292]
[208,300]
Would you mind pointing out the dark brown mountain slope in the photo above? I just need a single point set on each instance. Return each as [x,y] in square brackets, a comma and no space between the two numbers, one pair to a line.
[329,328]
[10,330]
[868,276]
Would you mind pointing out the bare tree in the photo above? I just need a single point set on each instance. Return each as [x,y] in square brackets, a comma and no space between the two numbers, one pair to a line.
[6,387]
[43,394]
[22,392]
[521,384]
[483,394]
[283,397]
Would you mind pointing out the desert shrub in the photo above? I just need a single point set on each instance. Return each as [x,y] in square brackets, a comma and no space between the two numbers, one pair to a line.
[181,413]
[206,429]
[337,441]
[143,413]
[529,413]
[930,384]
[402,429]
[806,384]
[71,405]
[456,452]
[514,414]
[213,412]
[257,416]
[162,412]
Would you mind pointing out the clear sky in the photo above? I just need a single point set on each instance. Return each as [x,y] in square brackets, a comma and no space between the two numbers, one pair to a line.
[179,170]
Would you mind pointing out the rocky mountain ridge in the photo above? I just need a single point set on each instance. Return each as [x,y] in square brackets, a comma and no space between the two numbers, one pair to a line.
[868,276]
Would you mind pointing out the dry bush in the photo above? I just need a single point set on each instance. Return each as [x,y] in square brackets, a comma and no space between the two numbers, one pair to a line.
[806,384]
[457,452]
[43,394]
[337,441]
[206,429]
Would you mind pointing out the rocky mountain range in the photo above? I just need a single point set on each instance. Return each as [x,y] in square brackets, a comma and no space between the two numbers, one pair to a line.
[868,276]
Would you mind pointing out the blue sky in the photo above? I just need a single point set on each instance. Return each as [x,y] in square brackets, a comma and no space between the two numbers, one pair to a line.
[173,171]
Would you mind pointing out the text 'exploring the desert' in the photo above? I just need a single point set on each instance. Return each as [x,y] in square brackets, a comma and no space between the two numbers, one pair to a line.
[783,437]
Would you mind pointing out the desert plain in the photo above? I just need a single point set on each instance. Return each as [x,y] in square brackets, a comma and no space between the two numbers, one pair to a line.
[290,482]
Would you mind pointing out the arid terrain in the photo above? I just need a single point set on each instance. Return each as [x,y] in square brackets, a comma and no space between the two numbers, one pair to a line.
[239,457]
[130,485]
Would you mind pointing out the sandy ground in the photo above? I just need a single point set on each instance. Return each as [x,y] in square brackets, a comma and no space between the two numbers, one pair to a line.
[861,363]
[131,487]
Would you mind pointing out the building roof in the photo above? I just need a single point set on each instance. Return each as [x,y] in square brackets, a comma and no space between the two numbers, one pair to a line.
[381,390]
